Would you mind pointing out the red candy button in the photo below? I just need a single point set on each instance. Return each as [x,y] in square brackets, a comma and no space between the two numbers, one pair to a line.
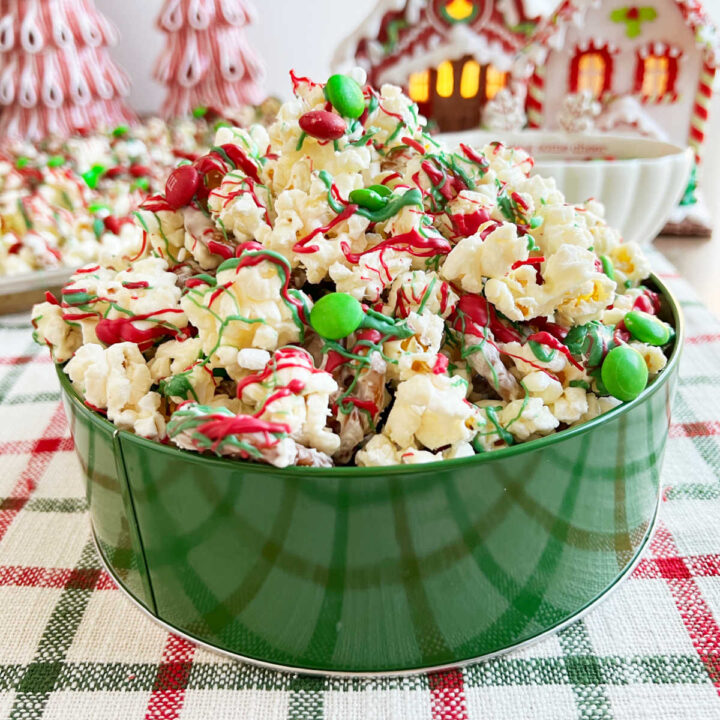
[323,125]
[181,186]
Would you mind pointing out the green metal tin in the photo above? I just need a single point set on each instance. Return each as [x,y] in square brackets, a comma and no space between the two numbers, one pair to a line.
[357,570]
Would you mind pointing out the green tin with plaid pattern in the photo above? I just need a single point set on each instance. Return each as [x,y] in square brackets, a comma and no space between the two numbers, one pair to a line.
[357,570]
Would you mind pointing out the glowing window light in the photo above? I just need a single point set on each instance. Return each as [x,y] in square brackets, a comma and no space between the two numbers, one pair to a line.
[591,74]
[495,81]
[470,79]
[656,76]
[445,79]
[460,10]
[419,86]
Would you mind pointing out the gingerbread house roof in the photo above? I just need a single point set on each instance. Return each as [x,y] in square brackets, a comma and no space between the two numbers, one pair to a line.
[400,37]
[707,36]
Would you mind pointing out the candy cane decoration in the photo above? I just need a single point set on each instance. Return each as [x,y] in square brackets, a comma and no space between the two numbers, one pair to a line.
[57,75]
[207,59]
[536,97]
[701,109]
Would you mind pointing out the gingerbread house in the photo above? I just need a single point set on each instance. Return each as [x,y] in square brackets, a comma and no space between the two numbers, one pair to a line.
[572,65]
[456,56]
[647,69]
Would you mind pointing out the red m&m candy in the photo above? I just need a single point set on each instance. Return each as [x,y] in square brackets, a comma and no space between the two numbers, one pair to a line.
[323,125]
[182,184]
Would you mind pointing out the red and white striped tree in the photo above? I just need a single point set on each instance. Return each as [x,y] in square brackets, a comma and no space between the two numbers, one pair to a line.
[57,74]
[207,60]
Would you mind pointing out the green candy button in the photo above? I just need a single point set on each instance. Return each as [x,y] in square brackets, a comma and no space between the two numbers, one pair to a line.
[368,198]
[336,315]
[624,373]
[647,328]
[345,95]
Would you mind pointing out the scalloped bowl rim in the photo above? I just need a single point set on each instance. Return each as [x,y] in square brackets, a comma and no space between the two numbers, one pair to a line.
[420,468]
[667,151]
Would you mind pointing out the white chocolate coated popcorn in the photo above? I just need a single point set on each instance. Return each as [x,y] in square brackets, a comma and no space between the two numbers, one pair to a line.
[337,290]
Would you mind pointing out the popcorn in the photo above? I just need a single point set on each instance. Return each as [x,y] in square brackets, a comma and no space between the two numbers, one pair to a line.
[471,309]
[292,391]
[475,258]
[117,379]
[432,411]
[417,291]
[248,305]
[62,338]
[629,263]
[525,418]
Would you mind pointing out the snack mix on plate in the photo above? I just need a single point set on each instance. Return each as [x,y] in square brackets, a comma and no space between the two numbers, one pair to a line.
[342,289]
[70,202]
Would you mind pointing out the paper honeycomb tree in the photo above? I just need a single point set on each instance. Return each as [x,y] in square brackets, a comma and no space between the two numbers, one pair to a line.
[57,74]
[207,60]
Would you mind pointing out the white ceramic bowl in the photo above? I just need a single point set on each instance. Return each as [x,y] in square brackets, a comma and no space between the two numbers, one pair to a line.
[639,181]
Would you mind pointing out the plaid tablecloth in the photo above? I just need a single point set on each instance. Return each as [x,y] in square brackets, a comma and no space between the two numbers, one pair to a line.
[72,647]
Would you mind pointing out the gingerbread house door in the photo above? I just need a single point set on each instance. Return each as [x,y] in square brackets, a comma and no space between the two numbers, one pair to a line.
[457,97]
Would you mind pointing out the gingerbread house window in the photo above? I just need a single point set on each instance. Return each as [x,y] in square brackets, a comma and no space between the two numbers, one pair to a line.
[419,87]
[470,79]
[591,70]
[657,73]
[495,81]
[591,74]
[445,83]
[459,11]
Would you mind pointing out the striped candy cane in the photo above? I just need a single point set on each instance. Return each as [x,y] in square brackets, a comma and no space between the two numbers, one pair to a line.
[536,97]
[701,109]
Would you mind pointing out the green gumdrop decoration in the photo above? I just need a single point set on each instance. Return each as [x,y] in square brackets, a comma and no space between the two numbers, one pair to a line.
[336,315]
[647,328]
[345,95]
[368,198]
[624,373]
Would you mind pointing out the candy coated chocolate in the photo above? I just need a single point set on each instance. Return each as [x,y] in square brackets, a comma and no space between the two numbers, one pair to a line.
[323,125]
[345,95]
[624,373]
[336,315]
[647,328]
[182,184]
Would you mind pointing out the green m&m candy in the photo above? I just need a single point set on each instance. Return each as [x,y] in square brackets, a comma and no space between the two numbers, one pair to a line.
[624,373]
[336,315]
[92,176]
[56,161]
[647,328]
[381,190]
[368,198]
[345,95]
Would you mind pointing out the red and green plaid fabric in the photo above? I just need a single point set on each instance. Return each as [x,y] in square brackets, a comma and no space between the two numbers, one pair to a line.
[71,645]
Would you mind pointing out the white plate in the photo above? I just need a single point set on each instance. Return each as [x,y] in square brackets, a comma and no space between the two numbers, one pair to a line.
[39,280]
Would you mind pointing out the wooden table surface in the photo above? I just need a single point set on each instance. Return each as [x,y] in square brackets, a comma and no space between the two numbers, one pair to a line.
[697,260]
